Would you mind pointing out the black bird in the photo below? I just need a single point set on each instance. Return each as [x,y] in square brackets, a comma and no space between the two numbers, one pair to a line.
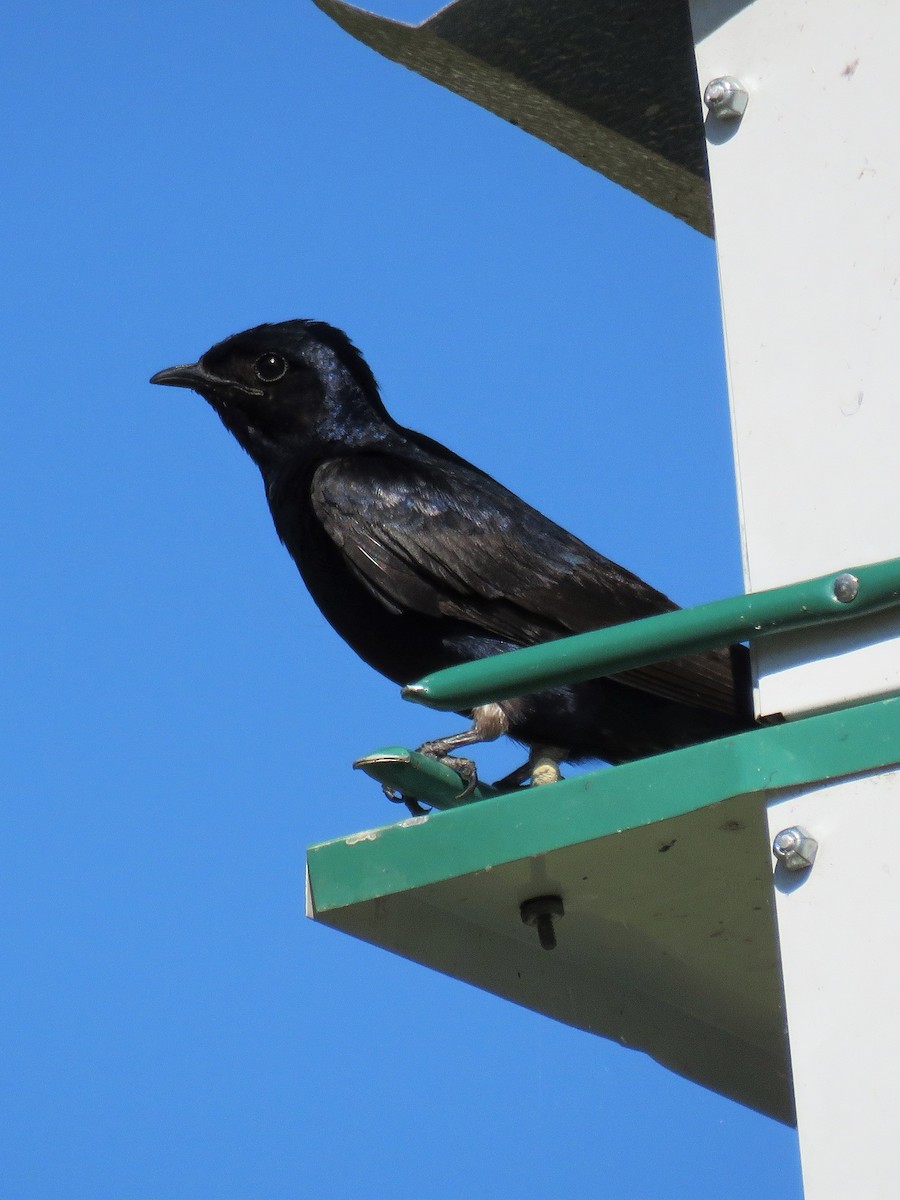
[420,560]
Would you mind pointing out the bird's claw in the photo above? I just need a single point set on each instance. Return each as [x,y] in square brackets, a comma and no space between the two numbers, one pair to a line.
[395,797]
[466,770]
[464,767]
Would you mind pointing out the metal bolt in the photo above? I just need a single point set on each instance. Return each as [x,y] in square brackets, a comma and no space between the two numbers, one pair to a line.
[795,848]
[846,588]
[726,97]
[539,913]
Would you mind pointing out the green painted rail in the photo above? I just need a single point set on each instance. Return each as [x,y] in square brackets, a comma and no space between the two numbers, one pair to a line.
[840,596]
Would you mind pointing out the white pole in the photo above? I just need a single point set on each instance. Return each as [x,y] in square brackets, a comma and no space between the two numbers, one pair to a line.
[806,197]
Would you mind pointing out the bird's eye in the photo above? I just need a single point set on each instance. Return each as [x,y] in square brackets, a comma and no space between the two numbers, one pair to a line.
[270,367]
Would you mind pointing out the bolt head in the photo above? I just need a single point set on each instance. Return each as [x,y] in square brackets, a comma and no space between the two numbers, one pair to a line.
[531,911]
[725,97]
[794,848]
[846,588]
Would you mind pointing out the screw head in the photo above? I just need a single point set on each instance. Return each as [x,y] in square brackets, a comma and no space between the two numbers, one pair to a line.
[794,848]
[726,97]
[846,588]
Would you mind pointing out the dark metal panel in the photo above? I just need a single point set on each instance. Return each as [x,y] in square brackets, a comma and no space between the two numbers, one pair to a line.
[610,82]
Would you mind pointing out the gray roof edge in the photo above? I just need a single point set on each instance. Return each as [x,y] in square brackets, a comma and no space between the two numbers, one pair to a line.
[626,162]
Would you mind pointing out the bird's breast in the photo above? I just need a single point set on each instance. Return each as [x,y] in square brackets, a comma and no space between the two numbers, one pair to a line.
[402,644]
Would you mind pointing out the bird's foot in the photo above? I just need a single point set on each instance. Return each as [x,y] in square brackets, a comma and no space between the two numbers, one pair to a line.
[541,768]
[466,770]
[464,767]
[544,770]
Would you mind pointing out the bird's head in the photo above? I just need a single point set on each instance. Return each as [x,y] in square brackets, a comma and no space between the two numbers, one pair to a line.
[281,389]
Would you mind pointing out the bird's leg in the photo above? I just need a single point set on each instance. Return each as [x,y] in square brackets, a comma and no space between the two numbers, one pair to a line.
[542,767]
[515,779]
[489,722]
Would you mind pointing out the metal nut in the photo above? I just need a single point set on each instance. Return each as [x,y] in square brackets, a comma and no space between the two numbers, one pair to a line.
[726,97]
[795,849]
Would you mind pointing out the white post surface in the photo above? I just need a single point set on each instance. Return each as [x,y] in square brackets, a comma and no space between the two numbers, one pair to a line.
[806,196]
[837,924]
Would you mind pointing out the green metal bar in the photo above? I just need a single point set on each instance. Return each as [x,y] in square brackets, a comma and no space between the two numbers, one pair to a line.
[416,777]
[841,596]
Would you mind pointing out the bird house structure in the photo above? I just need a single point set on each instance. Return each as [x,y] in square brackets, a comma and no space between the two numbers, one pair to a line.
[732,909]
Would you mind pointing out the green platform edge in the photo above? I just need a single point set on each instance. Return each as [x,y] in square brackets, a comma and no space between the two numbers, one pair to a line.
[425,850]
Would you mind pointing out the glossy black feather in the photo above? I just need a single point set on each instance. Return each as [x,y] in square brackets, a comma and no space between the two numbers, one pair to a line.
[420,560]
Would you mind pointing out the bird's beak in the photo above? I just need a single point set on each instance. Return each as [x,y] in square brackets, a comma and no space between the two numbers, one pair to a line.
[196,376]
[191,375]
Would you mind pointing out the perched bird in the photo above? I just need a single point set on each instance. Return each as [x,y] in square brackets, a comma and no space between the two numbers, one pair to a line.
[420,560]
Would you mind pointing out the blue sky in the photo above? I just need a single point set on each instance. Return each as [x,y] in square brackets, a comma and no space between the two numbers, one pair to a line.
[179,719]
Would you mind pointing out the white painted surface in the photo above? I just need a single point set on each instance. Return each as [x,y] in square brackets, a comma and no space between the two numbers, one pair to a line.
[806,192]
[838,926]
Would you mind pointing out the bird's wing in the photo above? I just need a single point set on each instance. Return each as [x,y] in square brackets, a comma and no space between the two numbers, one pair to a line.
[442,539]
